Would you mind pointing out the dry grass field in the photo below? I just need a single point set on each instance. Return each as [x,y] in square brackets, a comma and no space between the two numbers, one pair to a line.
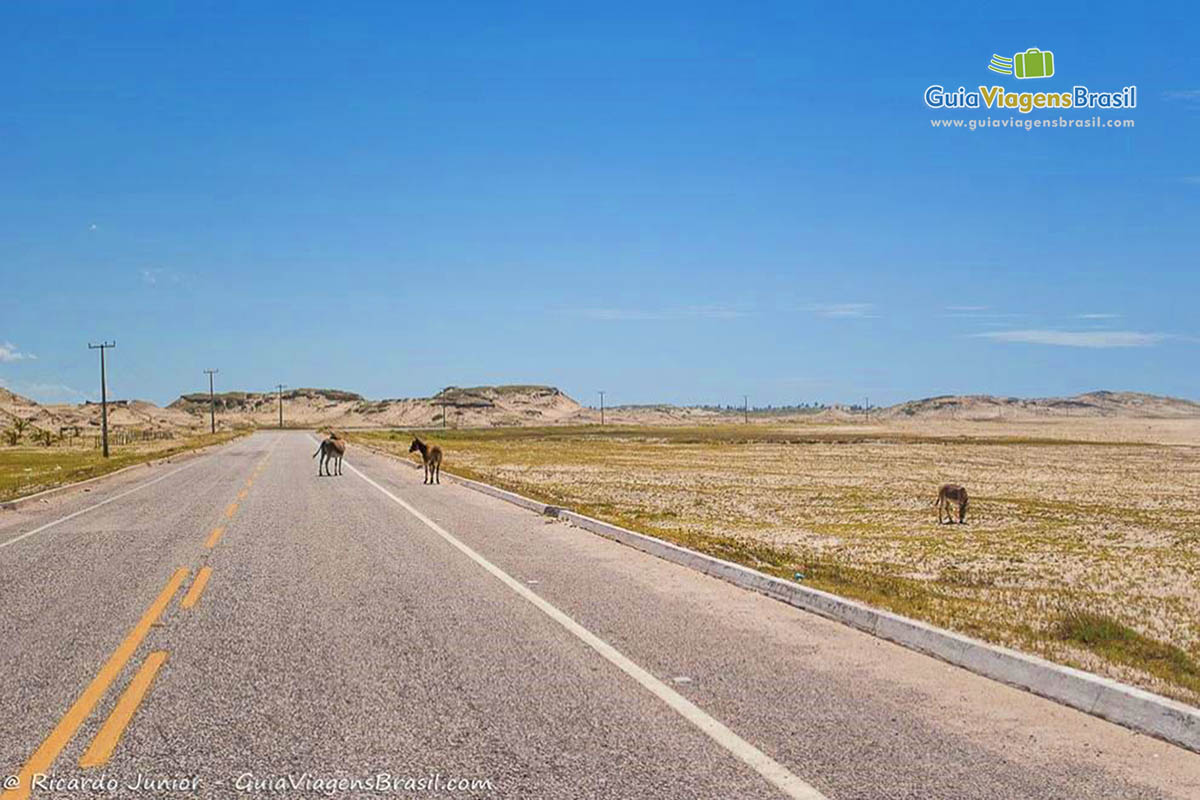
[1082,543]
[25,469]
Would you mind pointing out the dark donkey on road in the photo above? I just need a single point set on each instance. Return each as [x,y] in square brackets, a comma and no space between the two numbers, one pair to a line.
[331,449]
[431,457]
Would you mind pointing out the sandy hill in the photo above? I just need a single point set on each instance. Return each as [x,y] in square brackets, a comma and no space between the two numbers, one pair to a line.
[495,406]
[85,418]
[478,406]
[1090,404]
[14,407]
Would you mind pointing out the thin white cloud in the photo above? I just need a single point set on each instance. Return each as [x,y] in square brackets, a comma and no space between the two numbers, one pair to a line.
[1094,339]
[46,392]
[1097,316]
[1183,95]
[9,353]
[977,312]
[844,310]
[153,276]
[687,312]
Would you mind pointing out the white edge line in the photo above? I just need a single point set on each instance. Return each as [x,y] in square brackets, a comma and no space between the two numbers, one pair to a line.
[770,769]
[105,502]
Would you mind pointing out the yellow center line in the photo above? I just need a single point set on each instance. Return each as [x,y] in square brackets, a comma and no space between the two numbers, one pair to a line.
[110,733]
[231,510]
[243,494]
[49,750]
[214,537]
[197,587]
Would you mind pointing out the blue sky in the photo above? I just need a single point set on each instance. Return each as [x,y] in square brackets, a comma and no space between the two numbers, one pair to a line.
[672,202]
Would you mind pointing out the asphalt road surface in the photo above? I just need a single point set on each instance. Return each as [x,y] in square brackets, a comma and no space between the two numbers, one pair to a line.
[234,626]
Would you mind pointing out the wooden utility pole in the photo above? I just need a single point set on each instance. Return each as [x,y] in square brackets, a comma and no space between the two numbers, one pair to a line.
[279,387]
[746,409]
[212,400]
[103,392]
[602,391]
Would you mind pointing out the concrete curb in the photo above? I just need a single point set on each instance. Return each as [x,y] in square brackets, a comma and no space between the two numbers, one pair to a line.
[1116,702]
[483,488]
[18,502]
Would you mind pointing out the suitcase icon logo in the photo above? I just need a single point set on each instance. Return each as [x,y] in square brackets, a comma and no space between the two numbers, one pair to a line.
[1033,63]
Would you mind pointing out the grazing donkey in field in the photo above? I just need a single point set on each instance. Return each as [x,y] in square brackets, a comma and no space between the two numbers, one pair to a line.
[950,495]
[431,457]
[331,449]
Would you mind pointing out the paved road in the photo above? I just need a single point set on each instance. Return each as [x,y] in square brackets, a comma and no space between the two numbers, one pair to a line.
[343,628]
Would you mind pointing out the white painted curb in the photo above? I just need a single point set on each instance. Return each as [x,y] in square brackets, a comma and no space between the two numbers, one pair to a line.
[1116,702]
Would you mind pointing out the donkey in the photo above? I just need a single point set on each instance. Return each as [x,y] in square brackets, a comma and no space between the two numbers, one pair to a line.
[431,458]
[948,496]
[331,449]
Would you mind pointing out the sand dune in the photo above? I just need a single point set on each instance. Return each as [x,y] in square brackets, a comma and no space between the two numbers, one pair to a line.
[517,405]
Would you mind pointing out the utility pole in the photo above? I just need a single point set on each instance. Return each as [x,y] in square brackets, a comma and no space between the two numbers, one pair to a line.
[279,387]
[602,407]
[212,400]
[443,415]
[103,392]
[867,408]
[746,409]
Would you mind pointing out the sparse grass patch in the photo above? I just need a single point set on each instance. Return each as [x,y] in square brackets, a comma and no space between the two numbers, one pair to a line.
[1115,641]
[26,470]
[1054,523]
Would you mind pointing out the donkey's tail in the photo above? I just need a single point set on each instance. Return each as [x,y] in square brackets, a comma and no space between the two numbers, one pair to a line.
[321,447]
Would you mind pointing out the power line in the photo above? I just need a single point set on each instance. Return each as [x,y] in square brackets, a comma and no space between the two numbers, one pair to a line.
[103,392]
[212,400]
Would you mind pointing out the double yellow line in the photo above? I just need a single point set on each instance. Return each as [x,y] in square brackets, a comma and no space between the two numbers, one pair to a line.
[49,750]
[105,742]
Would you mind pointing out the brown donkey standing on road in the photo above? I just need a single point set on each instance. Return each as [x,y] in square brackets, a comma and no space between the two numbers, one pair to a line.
[331,449]
[431,457]
[950,495]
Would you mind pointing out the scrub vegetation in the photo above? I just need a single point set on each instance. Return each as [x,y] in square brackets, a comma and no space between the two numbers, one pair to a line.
[26,469]
[1082,544]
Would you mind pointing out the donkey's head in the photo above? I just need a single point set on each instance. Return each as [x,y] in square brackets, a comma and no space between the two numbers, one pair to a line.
[417,444]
